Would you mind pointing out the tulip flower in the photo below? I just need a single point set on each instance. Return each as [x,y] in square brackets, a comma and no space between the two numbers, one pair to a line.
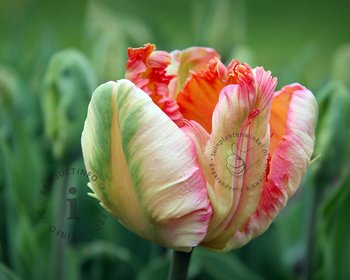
[191,152]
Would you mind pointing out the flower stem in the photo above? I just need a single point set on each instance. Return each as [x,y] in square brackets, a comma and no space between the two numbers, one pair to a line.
[179,265]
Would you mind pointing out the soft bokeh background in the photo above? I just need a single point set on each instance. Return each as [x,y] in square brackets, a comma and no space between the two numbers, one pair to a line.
[54,53]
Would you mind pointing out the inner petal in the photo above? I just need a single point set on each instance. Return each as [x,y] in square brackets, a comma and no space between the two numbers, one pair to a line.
[200,95]
[198,98]
[185,62]
[146,67]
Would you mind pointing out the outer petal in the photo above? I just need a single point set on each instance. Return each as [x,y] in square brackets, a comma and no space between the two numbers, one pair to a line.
[293,121]
[235,155]
[146,167]
[195,59]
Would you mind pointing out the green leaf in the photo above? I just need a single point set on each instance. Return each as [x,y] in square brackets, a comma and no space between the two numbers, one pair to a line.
[156,270]
[224,266]
[7,274]
[333,135]
[334,229]
[106,260]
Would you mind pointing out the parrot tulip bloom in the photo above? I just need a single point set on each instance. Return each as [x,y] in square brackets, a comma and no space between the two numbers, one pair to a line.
[188,151]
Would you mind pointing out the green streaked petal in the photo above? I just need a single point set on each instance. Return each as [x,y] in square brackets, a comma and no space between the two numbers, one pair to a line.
[294,108]
[147,166]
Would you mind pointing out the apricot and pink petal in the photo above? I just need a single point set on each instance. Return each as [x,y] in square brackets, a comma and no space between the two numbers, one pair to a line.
[200,95]
[293,120]
[237,153]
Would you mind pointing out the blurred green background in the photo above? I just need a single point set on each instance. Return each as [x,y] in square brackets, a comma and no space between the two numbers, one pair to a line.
[52,56]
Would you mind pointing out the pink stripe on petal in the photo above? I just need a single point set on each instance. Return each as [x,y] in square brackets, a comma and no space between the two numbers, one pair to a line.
[288,162]
[238,162]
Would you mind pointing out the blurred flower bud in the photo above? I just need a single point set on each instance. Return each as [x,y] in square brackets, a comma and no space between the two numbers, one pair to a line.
[341,65]
[214,20]
[67,88]
[108,34]
[9,100]
[243,53]
[333,134]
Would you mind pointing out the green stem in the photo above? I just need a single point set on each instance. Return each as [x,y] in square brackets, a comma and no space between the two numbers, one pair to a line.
[179,265]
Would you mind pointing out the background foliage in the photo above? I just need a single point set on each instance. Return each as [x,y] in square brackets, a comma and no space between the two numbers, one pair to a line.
[54,53]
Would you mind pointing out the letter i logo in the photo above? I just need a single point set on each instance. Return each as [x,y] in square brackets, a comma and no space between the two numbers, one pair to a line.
[72,205]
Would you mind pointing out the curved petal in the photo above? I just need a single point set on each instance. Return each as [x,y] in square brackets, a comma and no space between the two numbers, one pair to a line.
[147,170]
[146,68]
[292,122]
[195,59]
[201,92]
[235,154]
